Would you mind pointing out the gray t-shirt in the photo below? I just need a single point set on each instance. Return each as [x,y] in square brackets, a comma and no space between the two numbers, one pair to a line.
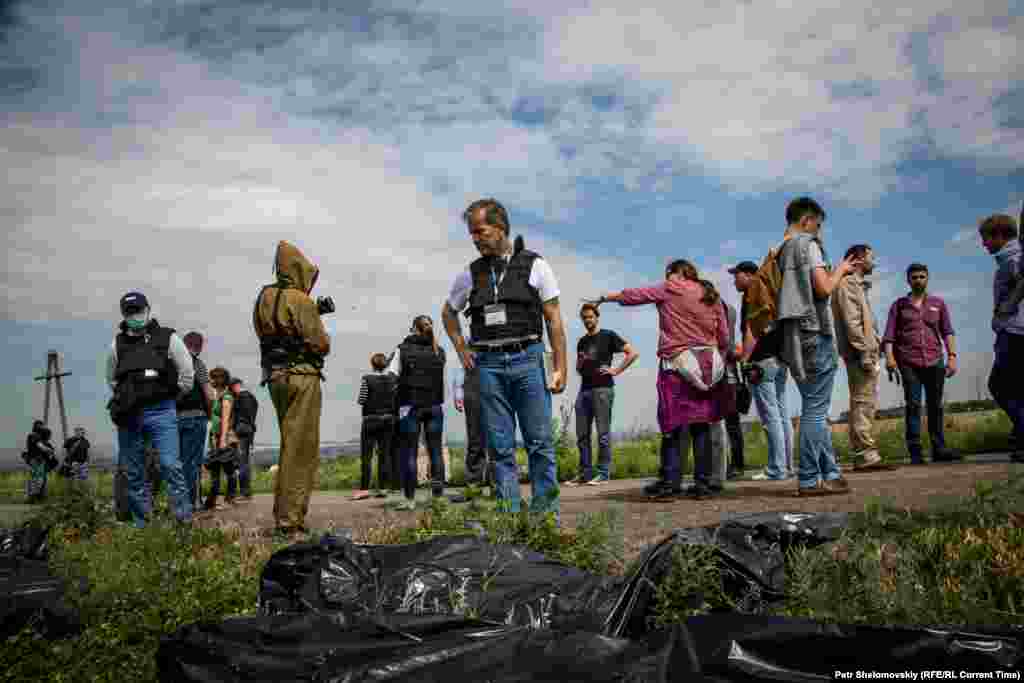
[797,300]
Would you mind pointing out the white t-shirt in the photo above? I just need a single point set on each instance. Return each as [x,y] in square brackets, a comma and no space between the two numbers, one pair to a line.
[542,278]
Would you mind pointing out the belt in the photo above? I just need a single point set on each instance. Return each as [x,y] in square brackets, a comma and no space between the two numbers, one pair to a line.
[508,347]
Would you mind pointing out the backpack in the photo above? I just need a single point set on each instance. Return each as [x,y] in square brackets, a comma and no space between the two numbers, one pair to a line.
[244,424]
[762,295]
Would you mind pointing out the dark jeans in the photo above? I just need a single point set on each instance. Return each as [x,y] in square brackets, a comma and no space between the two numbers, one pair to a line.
[431,421]
[595,405]
[735,431]
[1004,382]
[676,445]
[376,437]
[479,458]
[931,380]
[244,468]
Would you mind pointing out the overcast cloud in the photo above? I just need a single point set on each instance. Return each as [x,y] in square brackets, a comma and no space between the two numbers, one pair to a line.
[168,146]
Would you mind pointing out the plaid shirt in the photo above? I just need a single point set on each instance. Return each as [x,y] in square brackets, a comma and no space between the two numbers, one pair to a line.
[918,334]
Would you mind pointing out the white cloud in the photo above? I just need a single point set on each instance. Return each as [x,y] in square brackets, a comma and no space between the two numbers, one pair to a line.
[770,96]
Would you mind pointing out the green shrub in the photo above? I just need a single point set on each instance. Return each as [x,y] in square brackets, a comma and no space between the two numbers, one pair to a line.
[143,583]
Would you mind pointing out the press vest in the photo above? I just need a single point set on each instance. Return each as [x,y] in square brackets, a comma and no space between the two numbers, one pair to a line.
[523,309]
[382,392]
[148,351]
[421,383]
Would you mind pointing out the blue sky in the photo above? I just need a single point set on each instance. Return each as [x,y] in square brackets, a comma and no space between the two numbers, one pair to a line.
[167,147]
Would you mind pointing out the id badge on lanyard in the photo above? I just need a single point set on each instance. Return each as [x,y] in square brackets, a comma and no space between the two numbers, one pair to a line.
[494,314]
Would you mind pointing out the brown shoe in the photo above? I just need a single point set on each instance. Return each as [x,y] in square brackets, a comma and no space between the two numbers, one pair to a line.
[836,486]
[816,490]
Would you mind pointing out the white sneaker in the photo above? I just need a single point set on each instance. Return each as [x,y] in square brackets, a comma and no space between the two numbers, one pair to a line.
[760,476]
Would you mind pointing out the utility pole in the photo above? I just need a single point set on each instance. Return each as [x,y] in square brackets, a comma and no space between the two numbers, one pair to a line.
[53,374]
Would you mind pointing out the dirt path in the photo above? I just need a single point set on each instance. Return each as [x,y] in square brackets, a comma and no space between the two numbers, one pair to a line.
[645,521]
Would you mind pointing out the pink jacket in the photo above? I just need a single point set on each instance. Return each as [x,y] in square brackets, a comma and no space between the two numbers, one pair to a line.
[683,321]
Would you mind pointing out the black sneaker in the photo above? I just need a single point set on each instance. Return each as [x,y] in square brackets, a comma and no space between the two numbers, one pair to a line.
[662,489]
[699,491]
[734,474]
[947,455]
[1017,456]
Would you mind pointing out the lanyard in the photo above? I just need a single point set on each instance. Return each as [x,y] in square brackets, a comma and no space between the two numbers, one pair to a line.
[496,281]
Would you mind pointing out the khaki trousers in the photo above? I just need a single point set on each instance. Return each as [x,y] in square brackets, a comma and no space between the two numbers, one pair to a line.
[863,403]
[297,400]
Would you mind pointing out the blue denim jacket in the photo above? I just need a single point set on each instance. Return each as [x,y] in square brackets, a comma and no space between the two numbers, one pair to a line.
[1008,270]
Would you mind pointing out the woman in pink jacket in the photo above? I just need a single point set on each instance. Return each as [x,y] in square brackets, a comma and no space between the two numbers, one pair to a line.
[693,340]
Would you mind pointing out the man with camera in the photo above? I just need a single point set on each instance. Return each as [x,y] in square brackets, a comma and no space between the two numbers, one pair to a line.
[148,369]
[293,345]
[767,377]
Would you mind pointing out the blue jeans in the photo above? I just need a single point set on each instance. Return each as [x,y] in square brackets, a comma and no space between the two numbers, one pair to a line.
[770,399]
[930,381]
[817,459]
[513,387]
[160,423]
[432,420]
[192,450]
[1004,381]
[595,405]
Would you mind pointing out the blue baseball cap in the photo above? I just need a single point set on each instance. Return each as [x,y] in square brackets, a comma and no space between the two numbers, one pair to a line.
[133,302]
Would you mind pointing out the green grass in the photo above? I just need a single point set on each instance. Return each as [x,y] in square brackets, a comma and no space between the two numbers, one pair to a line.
[959,564]
[637,458]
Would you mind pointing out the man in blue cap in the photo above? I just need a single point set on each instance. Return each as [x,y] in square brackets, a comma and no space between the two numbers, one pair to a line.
[148,369]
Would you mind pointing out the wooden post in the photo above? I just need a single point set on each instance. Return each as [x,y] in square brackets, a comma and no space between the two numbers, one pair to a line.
[53,374]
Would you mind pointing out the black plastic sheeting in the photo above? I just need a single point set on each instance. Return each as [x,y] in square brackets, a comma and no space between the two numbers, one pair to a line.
[29,592]
[459,608]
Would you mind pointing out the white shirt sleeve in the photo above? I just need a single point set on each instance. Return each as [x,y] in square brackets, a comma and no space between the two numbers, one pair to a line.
[395,367]
[112,365]
[542,278]
[183,360]
[458,297]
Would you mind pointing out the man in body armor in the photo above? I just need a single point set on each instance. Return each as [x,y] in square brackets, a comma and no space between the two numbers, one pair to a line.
[509,293]
[378,395]
[293,344]
[148,369]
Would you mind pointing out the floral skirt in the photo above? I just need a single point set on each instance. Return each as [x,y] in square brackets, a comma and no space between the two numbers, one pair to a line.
[680,403]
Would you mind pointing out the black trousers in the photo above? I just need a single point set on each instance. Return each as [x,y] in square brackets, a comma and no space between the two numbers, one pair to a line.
[735,432]
[376,437]
[479,458]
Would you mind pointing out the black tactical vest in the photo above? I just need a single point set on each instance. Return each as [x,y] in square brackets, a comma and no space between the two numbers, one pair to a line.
[523,310]
[421,383]
[147,352]
[382,394]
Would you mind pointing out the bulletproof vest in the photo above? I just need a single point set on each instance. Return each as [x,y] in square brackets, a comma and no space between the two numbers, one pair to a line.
[382,390]
[280,350]
[523,311]
[143,361]
[421,383]
[193,400]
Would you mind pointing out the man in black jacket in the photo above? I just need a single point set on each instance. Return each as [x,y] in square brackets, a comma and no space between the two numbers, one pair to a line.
[244,423]
[76,460]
